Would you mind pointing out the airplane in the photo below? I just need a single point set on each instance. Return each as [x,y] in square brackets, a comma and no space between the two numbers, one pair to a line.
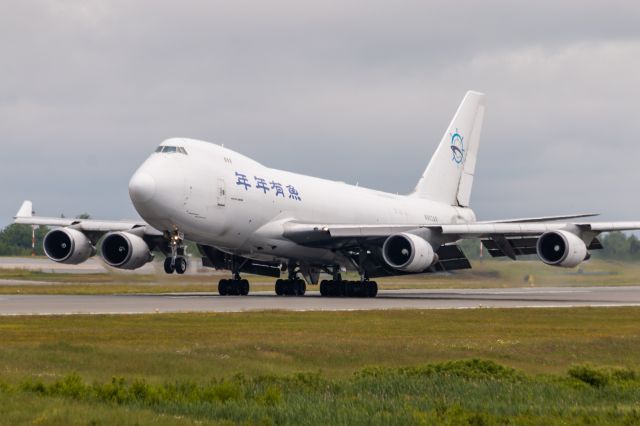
[248,218]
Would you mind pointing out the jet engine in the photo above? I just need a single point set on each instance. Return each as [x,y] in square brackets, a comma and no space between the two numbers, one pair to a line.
[408,252]
[67,245]
[124,250]
[561,248]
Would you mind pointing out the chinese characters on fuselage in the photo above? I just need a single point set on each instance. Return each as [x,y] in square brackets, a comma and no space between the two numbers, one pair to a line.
[261,184]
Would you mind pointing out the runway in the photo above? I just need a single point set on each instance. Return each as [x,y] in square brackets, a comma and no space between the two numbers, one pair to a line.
[259,301]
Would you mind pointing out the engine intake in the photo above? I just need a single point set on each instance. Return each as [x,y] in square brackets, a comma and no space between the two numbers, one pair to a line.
[561,248]
[124,250]
[408,252]
[67,245]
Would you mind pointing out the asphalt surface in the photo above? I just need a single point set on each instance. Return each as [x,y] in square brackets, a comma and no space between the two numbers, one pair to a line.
[390,299]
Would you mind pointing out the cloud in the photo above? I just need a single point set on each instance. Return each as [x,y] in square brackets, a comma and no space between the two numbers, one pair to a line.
[349,90]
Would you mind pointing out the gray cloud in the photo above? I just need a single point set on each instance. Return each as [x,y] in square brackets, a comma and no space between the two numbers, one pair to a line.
[349,90]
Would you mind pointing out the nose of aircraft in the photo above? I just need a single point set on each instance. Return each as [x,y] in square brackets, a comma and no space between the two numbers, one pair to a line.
[142,187]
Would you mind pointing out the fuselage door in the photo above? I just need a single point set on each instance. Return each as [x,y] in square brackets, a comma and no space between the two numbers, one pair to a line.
[221,193]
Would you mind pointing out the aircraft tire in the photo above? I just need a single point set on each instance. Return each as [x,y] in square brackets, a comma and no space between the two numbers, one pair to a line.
[350,288]
[168,267]
[181,265]
[280,287]
[301,287]
[342,289]
[234,287]
[222,287]
[372,289]
[324,288]
[291,288]
[244,287]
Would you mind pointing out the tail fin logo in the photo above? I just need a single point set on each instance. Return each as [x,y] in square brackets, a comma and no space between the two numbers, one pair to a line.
[457,147]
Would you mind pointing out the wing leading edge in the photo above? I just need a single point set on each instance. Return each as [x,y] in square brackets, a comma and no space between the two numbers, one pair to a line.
[301,233]
[25,216]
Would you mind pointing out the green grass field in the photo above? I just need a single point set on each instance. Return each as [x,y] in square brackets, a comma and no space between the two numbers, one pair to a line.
[378,367]
[476,367]
[487,274]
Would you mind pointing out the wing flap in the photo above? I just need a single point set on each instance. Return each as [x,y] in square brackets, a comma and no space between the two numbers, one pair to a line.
[544,218]
[523,246]
[451,258]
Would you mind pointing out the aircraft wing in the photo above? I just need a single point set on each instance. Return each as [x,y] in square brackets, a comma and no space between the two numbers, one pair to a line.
[511,239]
[92,227]
[300,232]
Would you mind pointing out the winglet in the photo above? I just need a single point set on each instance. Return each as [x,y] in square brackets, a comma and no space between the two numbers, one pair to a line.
[26,210]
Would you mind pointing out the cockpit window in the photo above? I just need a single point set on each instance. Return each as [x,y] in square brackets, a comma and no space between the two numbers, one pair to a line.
[171,149]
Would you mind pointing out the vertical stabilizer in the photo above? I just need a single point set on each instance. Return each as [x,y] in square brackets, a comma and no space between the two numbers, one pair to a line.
[449,175]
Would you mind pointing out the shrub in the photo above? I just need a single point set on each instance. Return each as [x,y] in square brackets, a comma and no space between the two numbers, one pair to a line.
[589,375]
[223,391]
[271,396]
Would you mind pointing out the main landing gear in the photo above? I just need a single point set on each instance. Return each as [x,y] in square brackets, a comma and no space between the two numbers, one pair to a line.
[176,262]
[293,286]
[340,288]
[337,287]
[236,286]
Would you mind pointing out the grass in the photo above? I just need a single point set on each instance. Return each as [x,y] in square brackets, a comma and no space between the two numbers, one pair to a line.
[461,392]
[510,366]
[487,274]
[387,367]
[162,347]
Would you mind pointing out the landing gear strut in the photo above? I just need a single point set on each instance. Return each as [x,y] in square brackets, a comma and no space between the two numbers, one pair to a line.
[176,262]
[236,286]
[292,286]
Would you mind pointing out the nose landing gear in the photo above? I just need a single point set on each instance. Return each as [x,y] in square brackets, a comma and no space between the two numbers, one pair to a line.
[178,265]
[176,262]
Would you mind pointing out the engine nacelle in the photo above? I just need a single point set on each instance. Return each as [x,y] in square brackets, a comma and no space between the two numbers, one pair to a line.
[561,248]
[408,252]
[67,245]
[125,251]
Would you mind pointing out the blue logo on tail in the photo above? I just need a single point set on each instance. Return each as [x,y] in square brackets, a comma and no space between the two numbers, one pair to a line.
[457,147]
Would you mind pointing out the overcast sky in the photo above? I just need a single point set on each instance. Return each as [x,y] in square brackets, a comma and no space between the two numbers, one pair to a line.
[353,91]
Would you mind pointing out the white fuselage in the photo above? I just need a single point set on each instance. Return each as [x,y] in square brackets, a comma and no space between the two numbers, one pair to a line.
[220,198]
